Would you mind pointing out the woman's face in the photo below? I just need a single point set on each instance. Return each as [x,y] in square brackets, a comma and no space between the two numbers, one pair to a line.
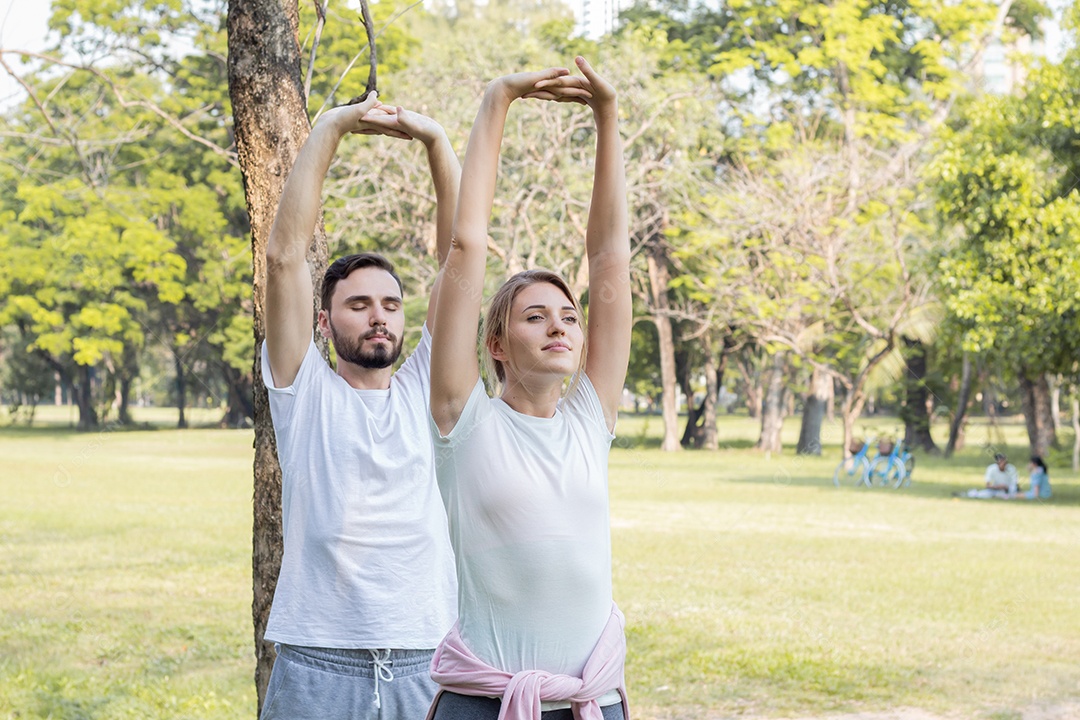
[544,336]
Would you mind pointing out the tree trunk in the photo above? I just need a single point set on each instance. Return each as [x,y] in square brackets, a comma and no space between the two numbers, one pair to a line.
[129,370]
[1076,428]
[181,389]
[271,123]
[239,408]
[962,399]
[123,413]
[1055,401]
[691,436]
[713,376]
[772,415]
[84,398]
[847,418]
[918,400]
[830,403]
[656,260]
[752,386]
[1035,403]
[814,413]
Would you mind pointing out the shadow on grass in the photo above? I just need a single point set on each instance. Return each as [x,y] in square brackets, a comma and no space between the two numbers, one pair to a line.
[24,431]
[640,441]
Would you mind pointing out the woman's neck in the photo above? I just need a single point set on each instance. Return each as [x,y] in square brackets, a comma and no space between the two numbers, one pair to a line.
[536,398]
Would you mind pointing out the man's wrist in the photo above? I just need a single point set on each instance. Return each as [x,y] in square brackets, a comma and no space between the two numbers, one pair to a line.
[332,126]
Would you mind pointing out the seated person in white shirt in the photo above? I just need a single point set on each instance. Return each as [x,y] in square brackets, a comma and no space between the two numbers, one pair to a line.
[1002,480]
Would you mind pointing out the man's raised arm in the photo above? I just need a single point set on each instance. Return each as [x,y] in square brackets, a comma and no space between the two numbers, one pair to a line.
[288,278]
[446,176]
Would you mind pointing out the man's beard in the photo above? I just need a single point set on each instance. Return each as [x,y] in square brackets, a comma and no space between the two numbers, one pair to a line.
[378,357]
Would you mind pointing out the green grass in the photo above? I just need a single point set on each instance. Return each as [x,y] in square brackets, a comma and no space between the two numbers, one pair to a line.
[751,586]
[125,563]
[59,417]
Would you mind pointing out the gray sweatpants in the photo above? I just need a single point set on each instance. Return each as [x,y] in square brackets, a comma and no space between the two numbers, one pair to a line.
[331,684]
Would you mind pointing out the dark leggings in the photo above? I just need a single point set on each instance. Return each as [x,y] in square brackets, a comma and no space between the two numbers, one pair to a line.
[463,707]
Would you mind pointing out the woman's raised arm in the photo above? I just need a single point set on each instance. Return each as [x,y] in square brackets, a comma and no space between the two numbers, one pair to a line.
[454,364]
[607,244]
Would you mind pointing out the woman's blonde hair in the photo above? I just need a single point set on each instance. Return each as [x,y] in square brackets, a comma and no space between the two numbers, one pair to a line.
[497,321]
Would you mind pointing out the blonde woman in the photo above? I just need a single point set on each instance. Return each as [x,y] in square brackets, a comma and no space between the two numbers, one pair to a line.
[524,475]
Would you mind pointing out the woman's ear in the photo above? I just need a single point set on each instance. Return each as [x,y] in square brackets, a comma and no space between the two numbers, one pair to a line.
[496,349]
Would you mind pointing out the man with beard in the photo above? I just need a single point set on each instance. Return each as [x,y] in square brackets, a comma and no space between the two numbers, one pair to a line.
[366,588]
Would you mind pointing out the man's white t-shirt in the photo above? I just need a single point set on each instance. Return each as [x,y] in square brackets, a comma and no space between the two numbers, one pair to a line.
[367,560]
[1007,477]
[527,501]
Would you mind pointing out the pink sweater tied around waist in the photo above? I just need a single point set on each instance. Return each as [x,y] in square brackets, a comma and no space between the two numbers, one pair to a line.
[457,670]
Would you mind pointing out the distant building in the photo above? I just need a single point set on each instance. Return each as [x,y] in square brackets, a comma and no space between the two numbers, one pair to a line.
[1003,69]
[596,17]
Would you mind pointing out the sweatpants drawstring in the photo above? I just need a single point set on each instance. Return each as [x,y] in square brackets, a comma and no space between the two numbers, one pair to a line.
[381,664]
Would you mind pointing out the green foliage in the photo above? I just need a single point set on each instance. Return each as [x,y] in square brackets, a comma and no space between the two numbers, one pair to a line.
[128,222]
[341,58]
[1005,194]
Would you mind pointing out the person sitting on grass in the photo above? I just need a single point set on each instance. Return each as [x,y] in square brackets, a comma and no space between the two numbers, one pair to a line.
[1002,481]
[1040,481]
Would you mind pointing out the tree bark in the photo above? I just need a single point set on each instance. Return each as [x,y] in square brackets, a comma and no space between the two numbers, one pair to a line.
[772,414]
[84,398]
[700,429]
[239,408]
[814,408]
[271,123]
[918,400]
[709,439]
[1076,428]
[691,436]
[830,403]
[656,261]
[962,399]
[1055,401]
[752,386]
[1035,403]
[181,389]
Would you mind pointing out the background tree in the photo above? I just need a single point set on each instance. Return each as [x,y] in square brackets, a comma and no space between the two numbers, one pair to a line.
[1012,217]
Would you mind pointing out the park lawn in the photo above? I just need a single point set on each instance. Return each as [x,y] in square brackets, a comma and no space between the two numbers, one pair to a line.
[126,559]
[751,585]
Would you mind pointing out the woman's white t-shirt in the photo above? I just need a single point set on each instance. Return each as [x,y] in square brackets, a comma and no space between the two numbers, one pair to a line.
[527,502]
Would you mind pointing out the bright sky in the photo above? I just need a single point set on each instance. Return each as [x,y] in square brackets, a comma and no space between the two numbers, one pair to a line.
[22,27]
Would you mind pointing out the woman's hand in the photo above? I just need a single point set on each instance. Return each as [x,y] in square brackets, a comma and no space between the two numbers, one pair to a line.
[523,84]
[589,88]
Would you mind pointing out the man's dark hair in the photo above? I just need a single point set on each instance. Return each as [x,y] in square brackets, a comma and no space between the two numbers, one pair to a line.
[343,267]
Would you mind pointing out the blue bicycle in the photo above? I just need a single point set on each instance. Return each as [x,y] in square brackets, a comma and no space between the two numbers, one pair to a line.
[892,466]
[854,470]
